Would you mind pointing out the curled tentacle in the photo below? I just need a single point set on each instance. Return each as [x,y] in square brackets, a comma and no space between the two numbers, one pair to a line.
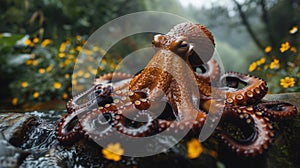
[210,72]
[69,129]
[136,123]
[72,104]
[277,110]
[256,131]
[252,89]
[178,126]
[99,123]
[97,95]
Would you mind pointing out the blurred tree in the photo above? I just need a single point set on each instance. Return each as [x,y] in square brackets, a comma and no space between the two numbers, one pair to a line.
[58,18]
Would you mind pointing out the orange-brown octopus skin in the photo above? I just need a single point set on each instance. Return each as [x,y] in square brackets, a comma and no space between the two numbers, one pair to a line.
[188,97]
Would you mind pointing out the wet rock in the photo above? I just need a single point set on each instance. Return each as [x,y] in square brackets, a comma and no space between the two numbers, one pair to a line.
[50,159]
[15,126]
[10,156]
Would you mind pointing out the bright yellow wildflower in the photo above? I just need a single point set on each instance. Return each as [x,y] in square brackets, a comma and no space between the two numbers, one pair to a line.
[78,48]
[194,149]
[24,84]
[113,152]
[96,48]
[78,37]
[61,55]
[261,61]
[86,75]
[87,52]
[67,76]
[57,85]
[252,67]
[268,49]
[63,46]
[65,95]
[284,47]
[49,68]
[27,42]
[275,64]
[35,40]
[74,82]
[46,42]
[34,62]
[293,30]
[80,73]
[287,82]
[67,62]
[42,70]
[36,95]
[293,49]
[14,101]
[28,62]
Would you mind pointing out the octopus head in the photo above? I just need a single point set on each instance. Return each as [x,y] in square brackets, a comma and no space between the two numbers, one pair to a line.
[193,42]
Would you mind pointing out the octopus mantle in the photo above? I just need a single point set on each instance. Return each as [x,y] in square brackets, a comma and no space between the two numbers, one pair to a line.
[184,77]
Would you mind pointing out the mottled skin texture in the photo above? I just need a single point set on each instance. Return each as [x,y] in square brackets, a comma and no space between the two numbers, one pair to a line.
[131,104]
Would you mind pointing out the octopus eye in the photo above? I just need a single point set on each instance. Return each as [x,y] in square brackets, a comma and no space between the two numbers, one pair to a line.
[183,44]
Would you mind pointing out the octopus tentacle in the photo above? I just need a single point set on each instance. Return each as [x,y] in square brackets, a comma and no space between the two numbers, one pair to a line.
[254,89]
[210,72]
[98,123]
[72,105]
[69,130]
[138,126]
[247,119]
[277,110]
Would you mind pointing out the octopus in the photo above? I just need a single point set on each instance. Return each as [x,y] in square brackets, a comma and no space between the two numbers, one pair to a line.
[180,88]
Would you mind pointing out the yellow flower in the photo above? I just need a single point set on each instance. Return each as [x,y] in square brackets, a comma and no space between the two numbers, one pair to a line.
[63,46]
[46,42]
[41,70]
[34,62]
[275,64]
[293,49]
[86,75]
[80,73]
[78,48]
[194,149]
[293,30]
[284,47]
[261,61]
[49,68]
[61,55]
[87,52]
[57,85]
[113,152]
[287,82]
[35,40]
[14,101]
[28,62]
[74,82]
[67,76]
[252,67]
[67,62]
[78,37]
[27,42]
[268,49]
[65,95]
[24,84]
[36,95]
[96,48]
